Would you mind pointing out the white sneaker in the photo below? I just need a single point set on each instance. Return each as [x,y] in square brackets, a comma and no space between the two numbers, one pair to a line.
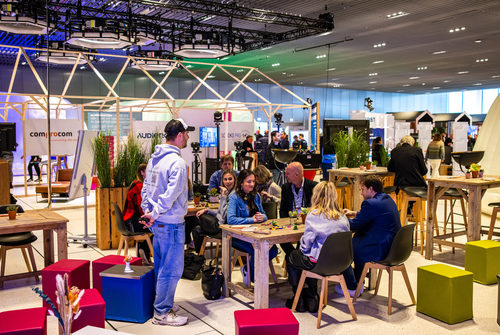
[170,319]
[338,290]
[175,308]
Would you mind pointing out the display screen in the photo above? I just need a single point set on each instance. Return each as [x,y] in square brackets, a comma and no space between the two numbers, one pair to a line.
[208,137]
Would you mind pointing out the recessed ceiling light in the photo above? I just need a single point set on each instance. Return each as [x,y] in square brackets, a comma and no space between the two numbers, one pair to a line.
[439,52]
[495,76]
[411,78]
[189,66]
[379,45]
[211,77]
[477,84]
[377,62]
[320,56]
[82,67]
[422,68]
[399,91]
[446,81]
[457,29]
[162,72]
[240,70]
[266,48]
[291,75]
[300,82]
[423,84]
[481,60]
[373,74]
[23,63]
[258,79]
[406,85]
[396,15]
[283,73]
[372,82]
[436,88]
[331,69]
[462,72]
[276,64]
[326,33]
[478,41]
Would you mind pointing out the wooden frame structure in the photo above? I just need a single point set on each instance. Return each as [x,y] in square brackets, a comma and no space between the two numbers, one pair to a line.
[170,105]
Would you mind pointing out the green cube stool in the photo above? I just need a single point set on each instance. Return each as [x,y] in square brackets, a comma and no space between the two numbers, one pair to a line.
[444,292]
[482,258]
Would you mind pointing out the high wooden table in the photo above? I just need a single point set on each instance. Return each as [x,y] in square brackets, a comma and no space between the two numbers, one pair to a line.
[355,176]
[262,244]
[45,220]
[192,208]
[475,188]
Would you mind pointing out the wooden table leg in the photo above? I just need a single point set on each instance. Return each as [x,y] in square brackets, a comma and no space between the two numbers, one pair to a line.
[356,195]
[431,199]
[226,261]
[474,224]
[62,242]
[261,275]
[48,247]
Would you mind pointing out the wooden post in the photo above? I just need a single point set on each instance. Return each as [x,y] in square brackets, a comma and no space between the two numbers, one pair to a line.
[261,274]
[429,245]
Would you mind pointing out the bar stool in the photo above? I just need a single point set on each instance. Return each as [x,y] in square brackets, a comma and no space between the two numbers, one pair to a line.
[22,241]
[237,254]
[344,194]
[451,195]
[496,208]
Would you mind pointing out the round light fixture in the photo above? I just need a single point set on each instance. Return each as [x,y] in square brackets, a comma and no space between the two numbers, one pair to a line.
[22,25]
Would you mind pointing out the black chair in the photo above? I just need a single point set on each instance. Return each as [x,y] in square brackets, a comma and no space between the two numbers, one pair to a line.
[127,235]
[271,209]
[17,240]
[401,248]
[336,255]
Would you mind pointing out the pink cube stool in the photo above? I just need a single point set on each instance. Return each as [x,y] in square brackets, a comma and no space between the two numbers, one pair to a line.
[93,309]
[78,275]
[269,321]
[105,263]
[31,321]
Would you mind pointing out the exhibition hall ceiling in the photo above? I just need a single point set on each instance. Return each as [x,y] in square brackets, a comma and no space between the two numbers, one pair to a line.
[381,45]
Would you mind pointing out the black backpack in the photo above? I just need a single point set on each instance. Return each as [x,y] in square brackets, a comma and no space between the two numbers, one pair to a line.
[192,266]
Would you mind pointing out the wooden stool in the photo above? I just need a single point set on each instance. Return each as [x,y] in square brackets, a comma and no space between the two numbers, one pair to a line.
[211,240]
[237,254]
[13,241]
[344,194]
[451,195]
[496,208]
[419,195]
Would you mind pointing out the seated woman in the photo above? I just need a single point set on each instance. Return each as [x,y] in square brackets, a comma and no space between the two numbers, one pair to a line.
[245,207]
[210,222]
[324,219]
[132,212]
[269,191]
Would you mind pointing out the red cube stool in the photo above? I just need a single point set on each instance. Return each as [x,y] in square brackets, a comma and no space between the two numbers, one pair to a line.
[93,310]
[31,321]
[105,263]
[78,275]
[270,321]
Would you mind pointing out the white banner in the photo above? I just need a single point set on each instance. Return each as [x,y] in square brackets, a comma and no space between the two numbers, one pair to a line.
[63,135]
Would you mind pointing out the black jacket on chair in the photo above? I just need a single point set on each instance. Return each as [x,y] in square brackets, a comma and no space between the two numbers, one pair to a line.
[287,202]
[408,164]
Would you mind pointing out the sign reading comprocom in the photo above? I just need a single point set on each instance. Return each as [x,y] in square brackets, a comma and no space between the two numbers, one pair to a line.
[63,136]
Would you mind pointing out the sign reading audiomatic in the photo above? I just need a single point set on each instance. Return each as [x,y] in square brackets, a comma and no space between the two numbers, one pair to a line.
[63,136]
[144,131]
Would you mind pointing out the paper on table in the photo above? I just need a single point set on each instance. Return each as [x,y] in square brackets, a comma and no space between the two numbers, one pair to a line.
[249,229]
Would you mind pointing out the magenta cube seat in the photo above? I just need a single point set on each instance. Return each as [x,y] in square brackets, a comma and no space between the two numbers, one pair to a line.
[271,321]
[93,310]
[31,321]
[105,263]
[78,275]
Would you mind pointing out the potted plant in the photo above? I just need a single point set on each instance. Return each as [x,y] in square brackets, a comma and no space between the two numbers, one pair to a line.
[303,213]
[12,211]
[213,196]
[467,174]
[474,168]
[197,198]
[368,165]
[293,216]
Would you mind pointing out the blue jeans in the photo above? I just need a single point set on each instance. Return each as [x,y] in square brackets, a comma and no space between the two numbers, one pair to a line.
[168,247]
[248,248]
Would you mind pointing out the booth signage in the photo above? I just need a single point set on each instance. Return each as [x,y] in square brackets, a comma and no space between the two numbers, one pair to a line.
[63,137]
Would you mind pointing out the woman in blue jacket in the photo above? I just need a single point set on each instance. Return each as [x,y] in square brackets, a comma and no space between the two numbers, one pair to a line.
[245,207]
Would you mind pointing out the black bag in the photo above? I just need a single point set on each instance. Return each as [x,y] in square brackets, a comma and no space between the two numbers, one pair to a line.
[192,266]
[209,225]
[212,280]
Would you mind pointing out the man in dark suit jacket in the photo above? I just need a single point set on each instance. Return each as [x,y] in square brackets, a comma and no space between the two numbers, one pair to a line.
[408,163]
[374,227]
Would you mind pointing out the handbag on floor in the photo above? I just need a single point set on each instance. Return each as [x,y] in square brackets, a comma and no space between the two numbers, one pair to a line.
[192,266]
[212,280]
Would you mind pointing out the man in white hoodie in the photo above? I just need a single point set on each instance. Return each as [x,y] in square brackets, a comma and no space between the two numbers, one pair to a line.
[165,201]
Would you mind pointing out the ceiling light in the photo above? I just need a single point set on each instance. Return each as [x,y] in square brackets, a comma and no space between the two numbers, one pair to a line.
[399,91]
[320,56]
[446,81]
[457,29]
[379,45]
[495,76]
[372,82]
[201,51]
[421,68]
[22,25]
[439,52]
[462,72]
[62,58]
[326,33]
[190,66]
[477,84]
[377,62]
[266,48]
[258,79]
[211,77]
[411,78]
[423,84]
[373,74]
[153,64]
[205,44]
[436,88]
[331,69]
[478,41]
[82,67]
[240,70]
[406,85]
[482,60]
[300,82]
[162,72]
[291,75]
[24,63]
[276,64]
[396,15]
[336,85]
[106,40]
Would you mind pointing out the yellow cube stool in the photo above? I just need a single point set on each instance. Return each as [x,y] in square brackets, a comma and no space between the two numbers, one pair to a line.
[482,258]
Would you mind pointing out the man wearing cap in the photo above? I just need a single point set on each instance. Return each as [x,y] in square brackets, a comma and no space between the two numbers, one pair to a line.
[165,201]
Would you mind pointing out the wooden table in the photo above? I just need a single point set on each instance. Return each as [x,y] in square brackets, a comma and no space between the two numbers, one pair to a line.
[262,244]
[192,209]
[355,176]
[45,220]
[475,188]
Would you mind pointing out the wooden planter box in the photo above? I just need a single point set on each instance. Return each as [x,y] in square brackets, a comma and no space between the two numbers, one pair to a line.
[107,233]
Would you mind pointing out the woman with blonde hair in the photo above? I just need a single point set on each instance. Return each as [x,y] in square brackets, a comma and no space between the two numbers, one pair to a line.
[324,219]
[269,191]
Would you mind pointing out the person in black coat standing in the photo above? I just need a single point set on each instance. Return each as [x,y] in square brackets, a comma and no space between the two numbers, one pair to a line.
[408,163]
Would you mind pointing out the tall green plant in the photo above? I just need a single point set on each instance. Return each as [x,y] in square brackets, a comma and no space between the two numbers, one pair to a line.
[127,162]
[384,157]
[156,139]
[341,144]
[102,160]
[358,149]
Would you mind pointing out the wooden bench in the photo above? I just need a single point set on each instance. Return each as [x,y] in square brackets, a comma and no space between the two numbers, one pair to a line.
[60,187]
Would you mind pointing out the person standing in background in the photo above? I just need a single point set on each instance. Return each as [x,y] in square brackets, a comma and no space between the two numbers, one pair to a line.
[435,154]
